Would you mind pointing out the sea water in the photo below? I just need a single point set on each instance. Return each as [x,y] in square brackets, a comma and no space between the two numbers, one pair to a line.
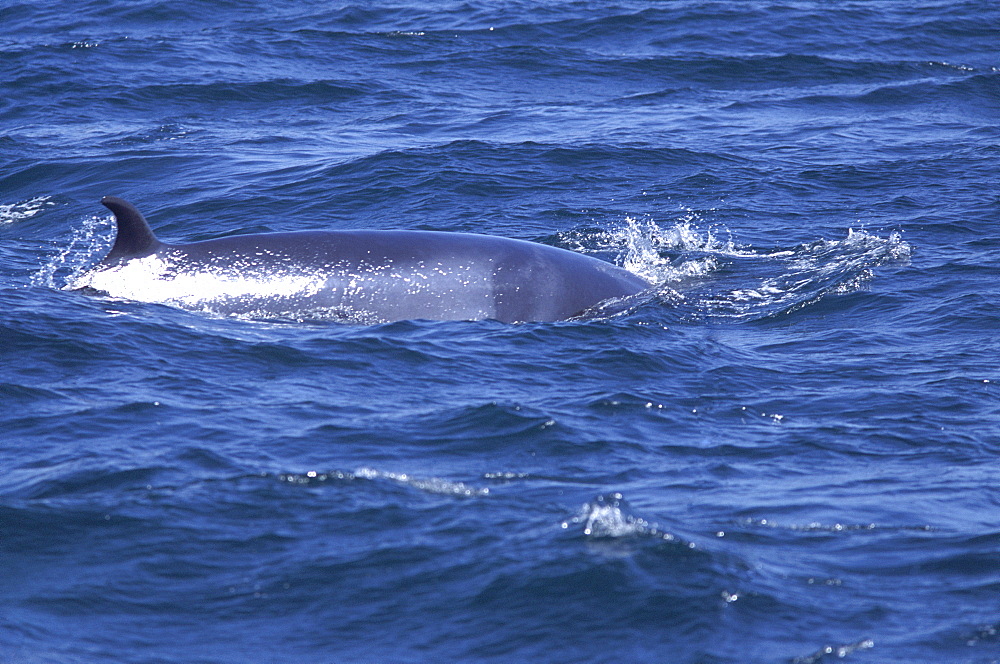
[788,453]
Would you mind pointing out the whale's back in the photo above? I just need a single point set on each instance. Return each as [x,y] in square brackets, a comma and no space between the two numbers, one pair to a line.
[358,276]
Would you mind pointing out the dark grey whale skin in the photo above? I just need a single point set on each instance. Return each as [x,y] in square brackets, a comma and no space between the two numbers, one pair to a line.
[385,276]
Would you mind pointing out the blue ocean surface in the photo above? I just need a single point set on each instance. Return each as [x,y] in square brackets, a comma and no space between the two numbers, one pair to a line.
[788,452]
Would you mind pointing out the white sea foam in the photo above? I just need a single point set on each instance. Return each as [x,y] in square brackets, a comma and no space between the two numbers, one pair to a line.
[14,212]
[803,275]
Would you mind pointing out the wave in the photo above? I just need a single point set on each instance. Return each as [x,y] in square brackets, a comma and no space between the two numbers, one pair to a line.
[266,91]
[958,92]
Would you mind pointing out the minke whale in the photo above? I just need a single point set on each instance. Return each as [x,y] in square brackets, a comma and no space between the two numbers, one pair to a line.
[357,276]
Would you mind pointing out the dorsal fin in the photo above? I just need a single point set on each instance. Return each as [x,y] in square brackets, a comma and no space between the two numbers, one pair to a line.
[135,237]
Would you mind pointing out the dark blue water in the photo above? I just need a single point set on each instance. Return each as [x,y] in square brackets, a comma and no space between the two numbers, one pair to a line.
[790,454]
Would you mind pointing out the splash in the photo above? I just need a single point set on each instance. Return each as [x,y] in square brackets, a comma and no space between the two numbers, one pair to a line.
[88,244]
[670,255]
[610,517]
[711,276]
